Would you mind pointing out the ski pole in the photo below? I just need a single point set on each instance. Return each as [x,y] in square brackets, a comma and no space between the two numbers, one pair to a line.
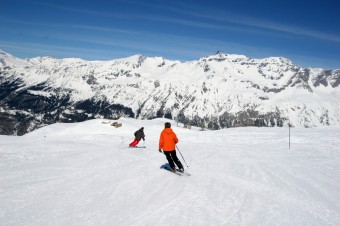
[123,141]
[182,156]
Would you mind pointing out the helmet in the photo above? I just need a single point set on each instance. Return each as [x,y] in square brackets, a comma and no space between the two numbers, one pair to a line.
[167,125]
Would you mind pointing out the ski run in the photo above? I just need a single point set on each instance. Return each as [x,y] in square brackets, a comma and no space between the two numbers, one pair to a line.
[85,174]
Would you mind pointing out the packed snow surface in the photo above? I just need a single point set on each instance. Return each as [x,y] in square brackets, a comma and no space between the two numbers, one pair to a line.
[85,174]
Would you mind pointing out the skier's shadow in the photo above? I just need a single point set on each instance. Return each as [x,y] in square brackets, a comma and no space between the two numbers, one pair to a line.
[165,166]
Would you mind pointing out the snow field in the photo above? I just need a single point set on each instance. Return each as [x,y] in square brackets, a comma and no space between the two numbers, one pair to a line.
[84,174]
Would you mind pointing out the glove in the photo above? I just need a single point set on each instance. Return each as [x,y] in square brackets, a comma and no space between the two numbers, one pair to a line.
[143,139]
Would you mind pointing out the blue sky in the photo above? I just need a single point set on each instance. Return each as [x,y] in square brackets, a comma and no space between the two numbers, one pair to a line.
[306,32]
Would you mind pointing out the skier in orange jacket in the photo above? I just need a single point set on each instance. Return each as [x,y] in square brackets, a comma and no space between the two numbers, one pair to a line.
[167,143]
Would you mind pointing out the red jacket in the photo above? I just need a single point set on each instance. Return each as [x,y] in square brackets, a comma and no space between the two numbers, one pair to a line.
[168,140]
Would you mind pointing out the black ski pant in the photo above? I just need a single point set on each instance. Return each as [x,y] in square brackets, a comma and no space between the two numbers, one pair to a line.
[172,157]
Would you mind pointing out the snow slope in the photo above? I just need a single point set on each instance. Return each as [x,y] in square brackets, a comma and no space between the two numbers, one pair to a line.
[84,174]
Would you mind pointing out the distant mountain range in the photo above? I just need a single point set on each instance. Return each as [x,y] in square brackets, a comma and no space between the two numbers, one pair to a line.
[217,91]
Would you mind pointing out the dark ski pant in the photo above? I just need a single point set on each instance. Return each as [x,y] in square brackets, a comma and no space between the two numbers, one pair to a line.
[172,157]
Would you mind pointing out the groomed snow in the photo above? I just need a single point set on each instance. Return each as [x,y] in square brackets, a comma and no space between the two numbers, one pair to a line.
[84,174]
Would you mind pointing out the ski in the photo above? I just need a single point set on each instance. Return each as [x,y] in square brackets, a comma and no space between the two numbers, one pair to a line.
[170,170]
[177,172]
[137,147]
[183,173]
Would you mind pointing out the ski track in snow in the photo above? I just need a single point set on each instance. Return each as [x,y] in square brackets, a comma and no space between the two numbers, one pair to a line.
[84,174]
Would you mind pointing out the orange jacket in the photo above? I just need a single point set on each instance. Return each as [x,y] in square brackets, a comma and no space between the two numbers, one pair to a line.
[168,140]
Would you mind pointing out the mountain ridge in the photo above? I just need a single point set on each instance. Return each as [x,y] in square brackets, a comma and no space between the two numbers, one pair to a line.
[216,91]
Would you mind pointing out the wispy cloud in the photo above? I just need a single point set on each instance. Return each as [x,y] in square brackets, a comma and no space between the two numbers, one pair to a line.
[219,20]
[33,49]
[105,29]
[233,19]
[224,22]
[288,29]
[76,10]
[79,26]
[292,30]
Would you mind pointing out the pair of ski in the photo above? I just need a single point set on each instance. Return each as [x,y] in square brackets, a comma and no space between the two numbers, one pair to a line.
[177,172]
[137,147]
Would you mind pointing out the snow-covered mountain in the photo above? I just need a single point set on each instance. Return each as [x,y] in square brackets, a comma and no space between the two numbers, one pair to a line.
[218,91]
